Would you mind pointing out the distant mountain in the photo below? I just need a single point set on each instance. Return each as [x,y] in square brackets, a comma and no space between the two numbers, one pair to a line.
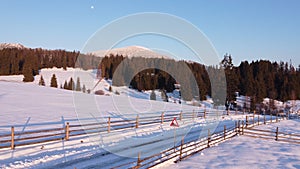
[11,45]
[130,51]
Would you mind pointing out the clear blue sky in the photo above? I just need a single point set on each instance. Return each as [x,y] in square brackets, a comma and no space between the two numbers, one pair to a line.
[248,30]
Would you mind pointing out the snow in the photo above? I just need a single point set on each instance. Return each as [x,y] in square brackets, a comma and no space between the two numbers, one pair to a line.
[51,104]
[28,107]
[87,78]
[130,51]
[11,45]
[246,152]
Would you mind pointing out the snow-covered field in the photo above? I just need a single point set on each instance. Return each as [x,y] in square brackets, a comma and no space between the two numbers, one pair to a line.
[244,152]
[28,106]
[32,107]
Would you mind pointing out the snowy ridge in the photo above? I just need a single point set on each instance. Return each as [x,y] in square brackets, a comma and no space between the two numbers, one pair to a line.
[11,45]
[130,51]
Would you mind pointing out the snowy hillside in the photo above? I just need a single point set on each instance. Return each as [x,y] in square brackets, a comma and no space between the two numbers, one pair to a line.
[130,51]
[28,107]
[39,103]
[89,79]
[38,106]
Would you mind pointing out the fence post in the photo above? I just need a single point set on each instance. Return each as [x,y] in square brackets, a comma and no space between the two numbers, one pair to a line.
[181,146]
[12,138]
[138,163]
[246,121]
[277,117]
[258,119]
[204,114]
[239,127]
[243,127]
[264,117]
[108,125]
[276,134]
[193,115]
[224,132]
[137,122]
[180,116]
[67,131]
[235,126]
[162,118]
[227,112]
[271,118]
[208,138]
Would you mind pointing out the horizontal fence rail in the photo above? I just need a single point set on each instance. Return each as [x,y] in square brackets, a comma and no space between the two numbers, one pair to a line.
[275,134]
[182,151]
[187,149]
[179,152]
[16,138]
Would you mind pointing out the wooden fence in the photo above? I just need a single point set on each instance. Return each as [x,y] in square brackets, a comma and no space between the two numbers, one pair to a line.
[187,149]
[182,151]
[177,153]
[22,138]
[275,134]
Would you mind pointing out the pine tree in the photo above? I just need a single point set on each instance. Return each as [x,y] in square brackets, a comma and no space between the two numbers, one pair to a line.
[83,88]
[71,84]
[42,82]
[78,87]
[227,61]
[53,81]
[164,96]
[152,95]
[65,85]
[28,73]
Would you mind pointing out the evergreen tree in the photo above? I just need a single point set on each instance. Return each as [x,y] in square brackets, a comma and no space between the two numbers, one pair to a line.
[164,96]
[83,88]
[65,85]
[152,95]
[42,82]
[53,81]
[78,86]
[71,84]
[27,72]
[227,61]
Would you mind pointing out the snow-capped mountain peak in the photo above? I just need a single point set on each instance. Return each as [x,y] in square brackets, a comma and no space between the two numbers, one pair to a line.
[11,45]
[130,51]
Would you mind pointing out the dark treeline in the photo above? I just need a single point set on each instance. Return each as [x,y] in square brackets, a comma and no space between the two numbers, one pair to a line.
[14,61]
[157,73]
[259,79]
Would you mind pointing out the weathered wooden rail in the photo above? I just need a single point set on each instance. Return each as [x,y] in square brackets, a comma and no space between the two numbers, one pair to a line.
[187,149]
[18,138]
